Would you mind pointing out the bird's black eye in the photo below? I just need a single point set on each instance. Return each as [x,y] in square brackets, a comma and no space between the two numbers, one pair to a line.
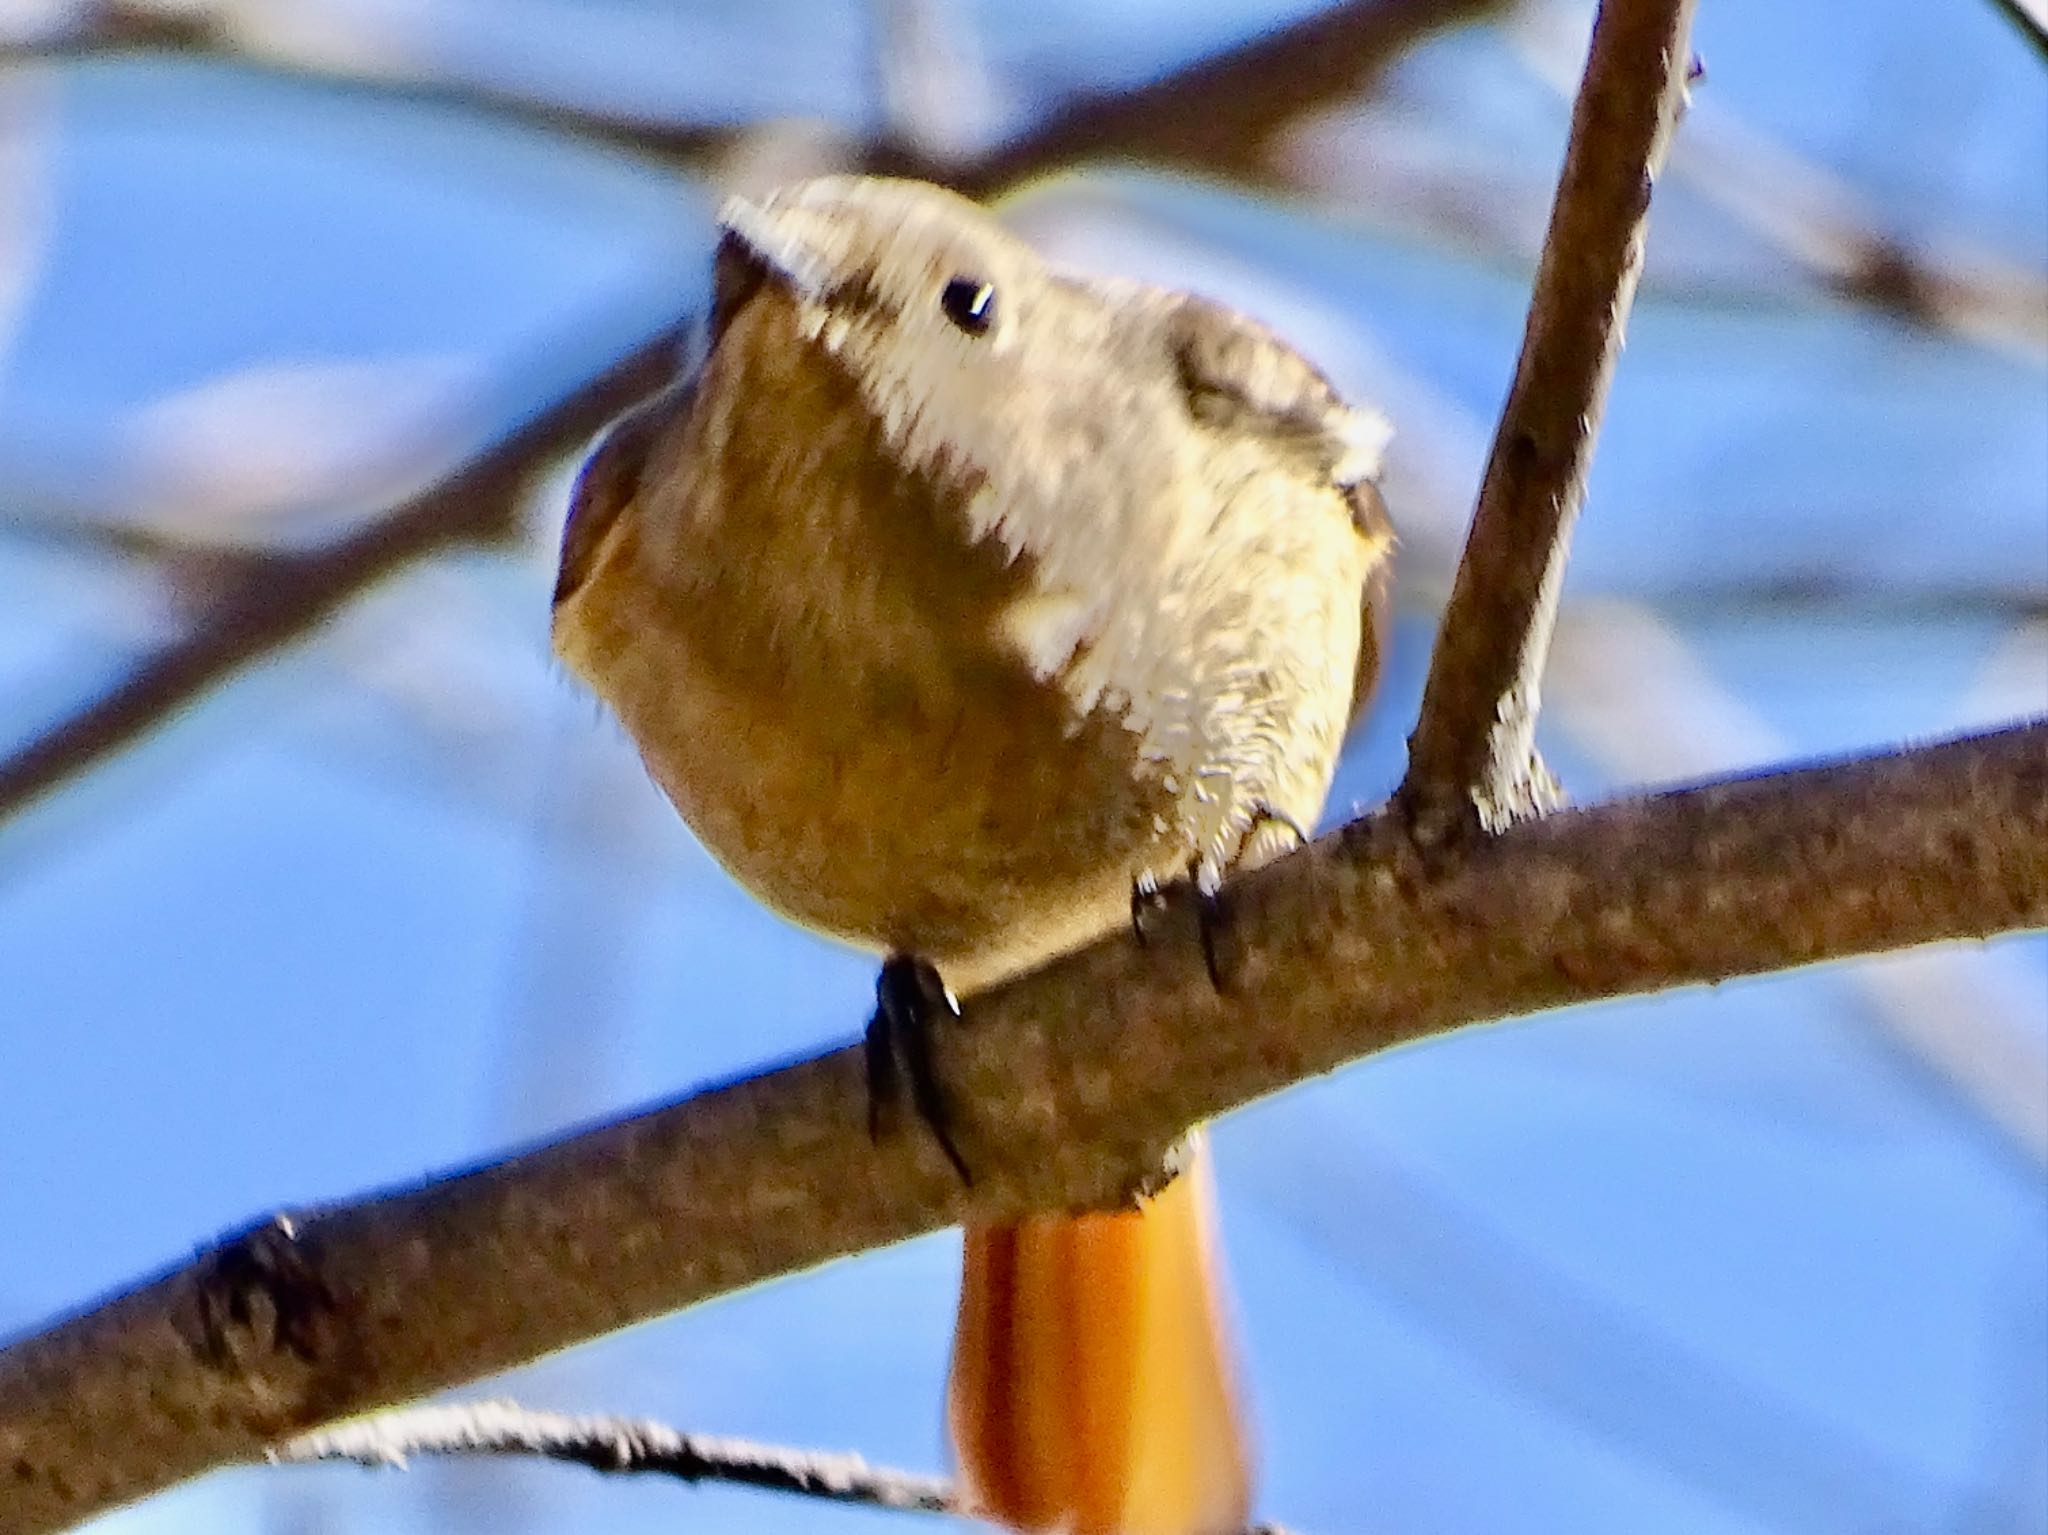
[970,304]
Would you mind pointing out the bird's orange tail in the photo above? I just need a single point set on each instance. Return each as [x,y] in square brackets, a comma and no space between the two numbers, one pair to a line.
[1092,1388]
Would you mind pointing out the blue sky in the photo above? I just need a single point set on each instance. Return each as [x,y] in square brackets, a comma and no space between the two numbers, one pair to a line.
[1771,1257]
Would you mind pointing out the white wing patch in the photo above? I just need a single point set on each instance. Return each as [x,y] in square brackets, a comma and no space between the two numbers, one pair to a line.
[1046,628]
[1365,435]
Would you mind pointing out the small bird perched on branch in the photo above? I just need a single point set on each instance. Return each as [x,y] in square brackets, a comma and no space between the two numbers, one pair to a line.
[951,600]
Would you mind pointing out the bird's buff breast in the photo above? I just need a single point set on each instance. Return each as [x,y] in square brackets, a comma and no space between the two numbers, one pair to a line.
[861,768]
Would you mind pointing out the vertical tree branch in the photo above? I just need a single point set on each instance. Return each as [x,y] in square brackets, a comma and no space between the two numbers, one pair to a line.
[1472,764]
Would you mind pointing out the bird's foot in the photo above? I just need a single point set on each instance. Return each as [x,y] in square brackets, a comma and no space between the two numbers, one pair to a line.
[1148,901]
[910,1001]
[1210,914]
[1212,904]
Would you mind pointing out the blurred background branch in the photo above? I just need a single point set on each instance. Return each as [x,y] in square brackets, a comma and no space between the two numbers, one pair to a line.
[271,599]
[1816,218]
[412,897]
[1221,115]
[1226,115]
[1218,114]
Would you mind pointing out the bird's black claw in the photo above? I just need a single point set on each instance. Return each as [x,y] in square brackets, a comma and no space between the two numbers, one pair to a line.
[1210,915]
[909,1000]
[880,1057]
[1212,910]
[1147,901]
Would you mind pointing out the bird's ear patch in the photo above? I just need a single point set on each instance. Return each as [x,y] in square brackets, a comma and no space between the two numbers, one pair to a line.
[1237,376]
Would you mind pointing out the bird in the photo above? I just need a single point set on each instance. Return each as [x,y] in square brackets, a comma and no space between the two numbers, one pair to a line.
[951,598]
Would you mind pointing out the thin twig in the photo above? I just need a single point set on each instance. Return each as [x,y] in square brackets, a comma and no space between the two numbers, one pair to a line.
[281,597]
[615,1444]
[1070,1087]
[1472,763]
[618,1445]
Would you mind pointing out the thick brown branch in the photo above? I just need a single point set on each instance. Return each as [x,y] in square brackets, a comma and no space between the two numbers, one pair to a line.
[1472,758]
[283,596]
[1070,1084]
